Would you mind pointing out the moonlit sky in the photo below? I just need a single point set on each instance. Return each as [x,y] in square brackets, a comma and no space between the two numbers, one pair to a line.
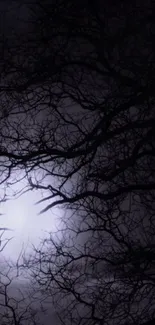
[28,227]
[21,214]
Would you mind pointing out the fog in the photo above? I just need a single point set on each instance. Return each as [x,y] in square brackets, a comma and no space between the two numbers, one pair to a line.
[27,226]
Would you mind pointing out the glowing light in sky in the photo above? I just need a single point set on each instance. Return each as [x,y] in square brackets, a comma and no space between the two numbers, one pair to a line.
[27,226]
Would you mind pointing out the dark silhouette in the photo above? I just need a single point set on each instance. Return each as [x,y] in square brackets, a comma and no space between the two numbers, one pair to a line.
[77,117]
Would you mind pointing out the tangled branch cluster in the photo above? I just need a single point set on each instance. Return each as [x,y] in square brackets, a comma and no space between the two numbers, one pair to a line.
[77,117]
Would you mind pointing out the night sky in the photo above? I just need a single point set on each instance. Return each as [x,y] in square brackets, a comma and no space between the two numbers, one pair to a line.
[77,148]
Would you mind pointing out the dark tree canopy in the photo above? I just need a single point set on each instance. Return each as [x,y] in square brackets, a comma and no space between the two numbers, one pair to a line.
[78,117]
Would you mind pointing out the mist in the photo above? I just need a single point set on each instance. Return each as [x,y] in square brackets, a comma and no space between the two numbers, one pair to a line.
[77,156]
